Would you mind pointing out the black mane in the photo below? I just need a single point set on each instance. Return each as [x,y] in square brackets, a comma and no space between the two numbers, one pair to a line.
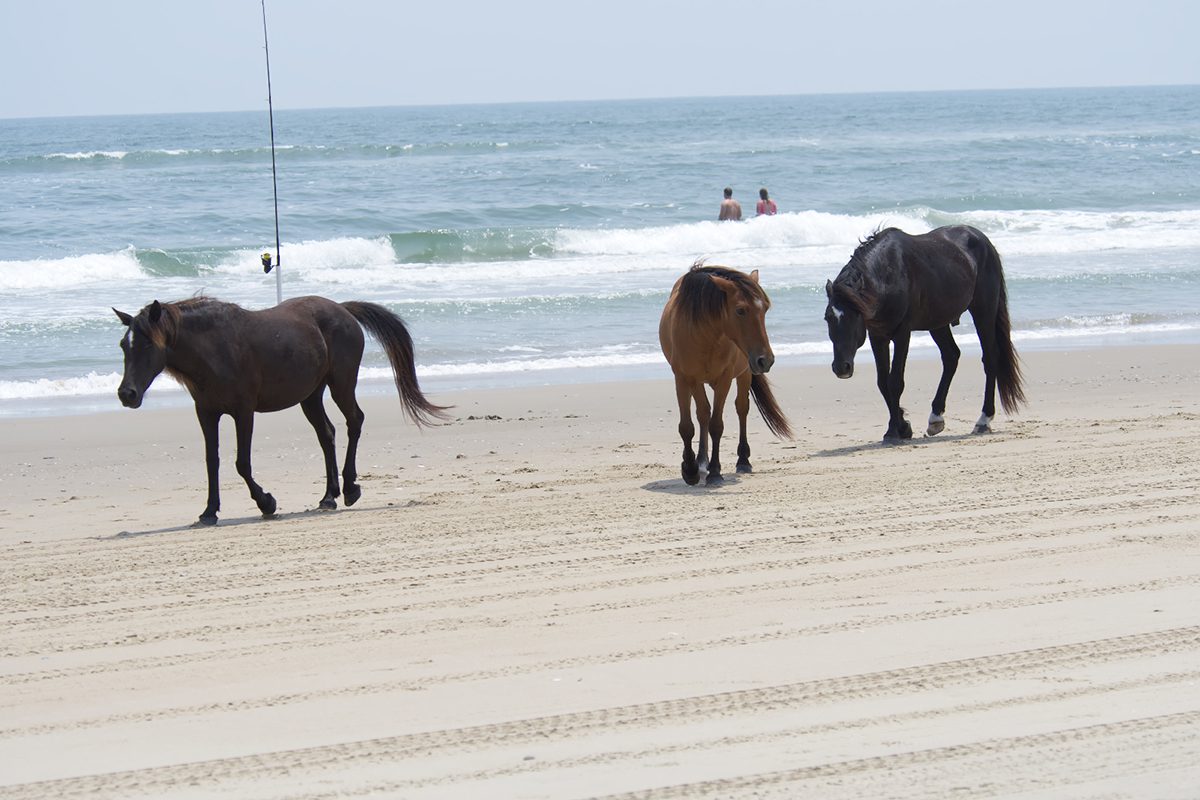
[866,246]
[173,310]
[700,297]
[853,285]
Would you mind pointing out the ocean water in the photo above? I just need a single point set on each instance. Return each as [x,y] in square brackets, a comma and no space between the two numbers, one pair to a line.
[536,243]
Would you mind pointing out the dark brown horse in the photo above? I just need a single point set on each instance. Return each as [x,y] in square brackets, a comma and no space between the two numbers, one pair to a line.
[896,283]
[237,362]
[713,331]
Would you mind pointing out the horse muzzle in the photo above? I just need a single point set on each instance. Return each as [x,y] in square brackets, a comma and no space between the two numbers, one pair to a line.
[129,397]
[843,369]
[761,364]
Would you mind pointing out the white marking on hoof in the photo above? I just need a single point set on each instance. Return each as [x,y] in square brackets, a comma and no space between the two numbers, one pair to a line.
[937,424]
[984,424]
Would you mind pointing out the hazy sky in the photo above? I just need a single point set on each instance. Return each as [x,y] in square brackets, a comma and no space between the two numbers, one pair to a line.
[72,57]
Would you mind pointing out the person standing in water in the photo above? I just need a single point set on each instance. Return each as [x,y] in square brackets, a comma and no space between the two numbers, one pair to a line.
[765,204]
[730,208]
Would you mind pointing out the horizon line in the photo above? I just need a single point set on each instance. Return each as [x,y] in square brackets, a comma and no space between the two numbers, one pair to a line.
[489,103]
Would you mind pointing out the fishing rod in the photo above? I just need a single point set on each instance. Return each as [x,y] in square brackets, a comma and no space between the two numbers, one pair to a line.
[266,257]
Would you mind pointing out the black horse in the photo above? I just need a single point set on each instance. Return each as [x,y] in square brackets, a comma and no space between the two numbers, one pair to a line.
[896,283]
[236,362]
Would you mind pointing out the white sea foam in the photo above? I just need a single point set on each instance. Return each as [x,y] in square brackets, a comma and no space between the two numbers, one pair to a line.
[88,385]
[71,272]
[809,243]
[329,258]
[1038,232]
[84,155]
[816,237]
[526,365]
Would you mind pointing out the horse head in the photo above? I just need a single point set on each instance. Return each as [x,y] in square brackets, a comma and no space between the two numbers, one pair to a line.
[746,308]
[847,328]
[145,348]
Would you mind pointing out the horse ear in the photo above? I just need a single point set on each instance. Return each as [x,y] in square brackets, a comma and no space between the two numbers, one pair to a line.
[155,311]
[829,289]
[125,318]
[725,285]
[754,276]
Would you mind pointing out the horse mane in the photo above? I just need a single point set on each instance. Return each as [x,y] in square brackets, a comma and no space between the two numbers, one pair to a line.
[700,297]
[163,330]
[853,286]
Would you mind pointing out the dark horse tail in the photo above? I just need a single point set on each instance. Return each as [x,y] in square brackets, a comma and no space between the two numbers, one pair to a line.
[388,329]
[1008,366]
[772,414]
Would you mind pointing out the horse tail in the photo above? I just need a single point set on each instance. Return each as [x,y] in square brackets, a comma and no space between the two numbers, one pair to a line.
[1009,379]
[771,413]
[388,329]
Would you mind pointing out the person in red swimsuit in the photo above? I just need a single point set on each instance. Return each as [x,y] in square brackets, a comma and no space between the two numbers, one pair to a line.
[765,204]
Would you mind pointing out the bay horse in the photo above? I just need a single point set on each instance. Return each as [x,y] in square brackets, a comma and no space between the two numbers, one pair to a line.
[896,283]
[237,362]
[712,332]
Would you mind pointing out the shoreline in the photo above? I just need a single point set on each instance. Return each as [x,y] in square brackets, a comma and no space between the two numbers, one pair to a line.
[530,602]
[922,349]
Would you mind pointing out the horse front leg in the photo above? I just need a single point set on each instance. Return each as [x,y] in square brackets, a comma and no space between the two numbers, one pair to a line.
[683,395]
[896,384]
[716,428]
[890,378]
[209,427]
[314,412]
[741,404]
[244,422]
[944,339]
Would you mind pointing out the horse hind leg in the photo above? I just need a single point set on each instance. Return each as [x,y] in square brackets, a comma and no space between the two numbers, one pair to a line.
[314,411]
[348,404]
[704,419]
[690,468]
[944,339]
[716,428]
[985,324]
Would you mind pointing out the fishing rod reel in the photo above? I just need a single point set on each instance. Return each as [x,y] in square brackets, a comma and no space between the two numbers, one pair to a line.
[266,262]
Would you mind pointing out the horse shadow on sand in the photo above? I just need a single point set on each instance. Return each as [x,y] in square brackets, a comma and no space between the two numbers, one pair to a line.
[676,486]
[256,519]
[887,444]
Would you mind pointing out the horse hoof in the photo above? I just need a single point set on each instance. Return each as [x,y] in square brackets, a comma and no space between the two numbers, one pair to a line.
[714,479]
[744,467]
[205,520]
[267,506]
[691,474]
[936,426]
[327,504]
[906,430]
[982,429]
[351,493]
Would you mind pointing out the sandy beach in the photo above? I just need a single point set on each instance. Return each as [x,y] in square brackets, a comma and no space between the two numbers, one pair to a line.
[529,602]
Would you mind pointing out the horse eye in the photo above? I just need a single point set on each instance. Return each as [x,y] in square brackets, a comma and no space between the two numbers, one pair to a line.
[741,311]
